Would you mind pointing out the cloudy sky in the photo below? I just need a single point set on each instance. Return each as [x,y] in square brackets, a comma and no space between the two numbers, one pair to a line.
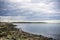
[30,9]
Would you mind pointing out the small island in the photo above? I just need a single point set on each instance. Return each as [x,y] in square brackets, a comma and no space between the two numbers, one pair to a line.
[9,32]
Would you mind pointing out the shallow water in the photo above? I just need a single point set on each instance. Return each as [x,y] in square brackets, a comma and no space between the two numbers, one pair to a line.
[48,30]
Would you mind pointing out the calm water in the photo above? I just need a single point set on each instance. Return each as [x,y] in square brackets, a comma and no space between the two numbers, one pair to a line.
[48,30]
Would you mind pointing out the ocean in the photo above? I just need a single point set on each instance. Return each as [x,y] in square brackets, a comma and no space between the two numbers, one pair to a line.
[51,30]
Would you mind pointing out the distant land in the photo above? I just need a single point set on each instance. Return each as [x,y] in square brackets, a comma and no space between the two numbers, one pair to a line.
[43,21]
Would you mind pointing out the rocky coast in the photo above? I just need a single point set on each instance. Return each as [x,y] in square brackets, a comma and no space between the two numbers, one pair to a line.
[9,32]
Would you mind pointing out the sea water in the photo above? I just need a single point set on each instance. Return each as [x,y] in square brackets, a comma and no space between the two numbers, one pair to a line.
[46,29]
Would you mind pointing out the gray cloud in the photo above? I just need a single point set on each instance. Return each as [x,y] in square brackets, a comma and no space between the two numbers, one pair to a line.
[32,11]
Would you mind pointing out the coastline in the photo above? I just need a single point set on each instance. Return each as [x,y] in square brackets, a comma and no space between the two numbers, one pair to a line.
[17,34]
[41,21]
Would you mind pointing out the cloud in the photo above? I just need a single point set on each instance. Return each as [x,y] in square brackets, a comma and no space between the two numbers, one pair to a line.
[19,1]
[12,18]
[40,7]
[47,6]
[32,10]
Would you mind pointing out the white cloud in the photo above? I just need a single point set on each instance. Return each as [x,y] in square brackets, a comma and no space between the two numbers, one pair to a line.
[19,0]
[12,18]
[39,7]
[45,6]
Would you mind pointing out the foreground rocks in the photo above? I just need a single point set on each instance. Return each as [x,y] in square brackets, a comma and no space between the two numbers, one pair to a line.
[9,32]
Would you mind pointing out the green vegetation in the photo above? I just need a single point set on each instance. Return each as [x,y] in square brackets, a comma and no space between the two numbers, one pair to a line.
[9,32]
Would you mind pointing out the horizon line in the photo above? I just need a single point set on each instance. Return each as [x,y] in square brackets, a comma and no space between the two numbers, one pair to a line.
[43,21]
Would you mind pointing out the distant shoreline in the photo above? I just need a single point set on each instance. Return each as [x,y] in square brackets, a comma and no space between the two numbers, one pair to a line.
[41,21]
[36,22]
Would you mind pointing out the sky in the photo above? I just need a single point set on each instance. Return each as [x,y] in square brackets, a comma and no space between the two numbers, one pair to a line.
[30,9]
